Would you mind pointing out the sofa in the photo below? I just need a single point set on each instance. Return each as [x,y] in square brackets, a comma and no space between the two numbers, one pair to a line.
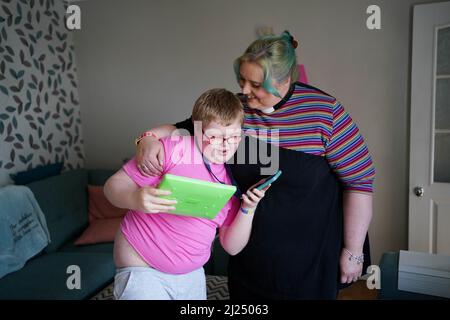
[64,202]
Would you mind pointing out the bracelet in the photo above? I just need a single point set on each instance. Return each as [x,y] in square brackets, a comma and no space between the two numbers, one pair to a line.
[145,134]
[358,259]
[246,211]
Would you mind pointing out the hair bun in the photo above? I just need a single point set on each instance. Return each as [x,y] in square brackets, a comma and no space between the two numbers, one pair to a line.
[291,39]
[294,43]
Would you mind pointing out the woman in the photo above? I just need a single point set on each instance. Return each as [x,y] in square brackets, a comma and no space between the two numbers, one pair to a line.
[308,233]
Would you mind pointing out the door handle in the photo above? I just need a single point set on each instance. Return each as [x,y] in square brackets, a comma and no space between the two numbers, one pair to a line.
[419,191]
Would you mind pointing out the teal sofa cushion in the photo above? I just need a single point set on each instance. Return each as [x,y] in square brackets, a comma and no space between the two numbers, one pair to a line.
[38,173]
[98,247]
[63,199]
[45,277]
[98,177]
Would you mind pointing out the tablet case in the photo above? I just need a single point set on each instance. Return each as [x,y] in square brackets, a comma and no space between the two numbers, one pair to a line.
[195,197]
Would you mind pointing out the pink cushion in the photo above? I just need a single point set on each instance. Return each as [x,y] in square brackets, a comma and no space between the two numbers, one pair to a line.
[104,218]
[99,230]
[100,207]
[302,74]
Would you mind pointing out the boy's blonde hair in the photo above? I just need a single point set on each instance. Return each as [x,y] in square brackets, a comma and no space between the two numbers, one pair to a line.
[218,105]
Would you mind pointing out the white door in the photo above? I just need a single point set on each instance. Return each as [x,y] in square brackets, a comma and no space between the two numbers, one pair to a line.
[429,194]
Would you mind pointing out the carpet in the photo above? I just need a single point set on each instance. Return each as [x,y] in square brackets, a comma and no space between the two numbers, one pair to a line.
[217,289]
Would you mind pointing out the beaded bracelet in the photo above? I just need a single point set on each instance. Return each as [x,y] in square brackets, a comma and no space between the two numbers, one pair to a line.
[359,259]
[145,134]
[246,211]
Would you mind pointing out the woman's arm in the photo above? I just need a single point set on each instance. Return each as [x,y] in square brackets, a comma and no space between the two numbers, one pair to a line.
[235,237]
[149,153]
[350,159]
[357,217]
[123,192]
[162,131]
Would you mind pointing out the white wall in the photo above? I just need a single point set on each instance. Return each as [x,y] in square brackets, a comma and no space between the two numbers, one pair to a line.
[143,63]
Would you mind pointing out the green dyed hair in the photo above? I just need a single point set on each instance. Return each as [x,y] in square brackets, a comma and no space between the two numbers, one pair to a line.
[275,55]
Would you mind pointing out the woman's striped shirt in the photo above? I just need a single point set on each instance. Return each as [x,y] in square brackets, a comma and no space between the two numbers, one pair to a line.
[311,121]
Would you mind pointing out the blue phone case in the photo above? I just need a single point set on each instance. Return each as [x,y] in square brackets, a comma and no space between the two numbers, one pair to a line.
[269,180]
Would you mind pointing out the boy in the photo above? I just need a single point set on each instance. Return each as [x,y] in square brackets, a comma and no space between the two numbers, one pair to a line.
[159,255]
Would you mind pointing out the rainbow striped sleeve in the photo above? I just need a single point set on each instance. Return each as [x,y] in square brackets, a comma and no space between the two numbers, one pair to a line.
[348,155]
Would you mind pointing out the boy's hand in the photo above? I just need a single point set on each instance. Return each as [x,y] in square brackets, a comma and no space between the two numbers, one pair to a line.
[252,197]
[147,199]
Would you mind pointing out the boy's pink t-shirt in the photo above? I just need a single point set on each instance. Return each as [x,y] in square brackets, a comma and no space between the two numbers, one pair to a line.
[172,243]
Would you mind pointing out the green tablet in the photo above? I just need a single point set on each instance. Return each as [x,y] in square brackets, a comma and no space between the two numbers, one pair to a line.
[195,197]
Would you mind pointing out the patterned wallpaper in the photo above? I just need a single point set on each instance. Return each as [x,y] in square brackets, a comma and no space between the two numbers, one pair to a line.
[39,111]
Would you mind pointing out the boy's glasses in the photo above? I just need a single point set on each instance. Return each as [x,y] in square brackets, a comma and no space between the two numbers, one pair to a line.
[220,140]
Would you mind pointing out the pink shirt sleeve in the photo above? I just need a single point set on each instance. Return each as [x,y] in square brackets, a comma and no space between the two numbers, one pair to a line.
[133,172]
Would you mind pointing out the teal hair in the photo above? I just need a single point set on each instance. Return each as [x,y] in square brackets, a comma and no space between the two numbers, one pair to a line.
[275,55]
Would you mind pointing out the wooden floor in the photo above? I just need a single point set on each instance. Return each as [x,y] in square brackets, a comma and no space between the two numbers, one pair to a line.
[358,291]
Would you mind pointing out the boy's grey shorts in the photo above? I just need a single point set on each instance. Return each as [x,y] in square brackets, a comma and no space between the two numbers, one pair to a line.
[145,283]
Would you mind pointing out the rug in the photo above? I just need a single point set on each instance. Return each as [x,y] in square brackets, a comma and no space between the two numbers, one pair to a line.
[217,289]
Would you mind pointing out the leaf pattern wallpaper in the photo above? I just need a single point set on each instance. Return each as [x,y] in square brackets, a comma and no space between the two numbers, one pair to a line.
[39,110]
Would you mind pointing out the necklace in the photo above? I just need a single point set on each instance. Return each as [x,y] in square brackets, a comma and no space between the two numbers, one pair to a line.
[233,181]
[238,193]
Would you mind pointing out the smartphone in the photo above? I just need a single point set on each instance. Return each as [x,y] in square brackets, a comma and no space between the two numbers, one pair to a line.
[269,180]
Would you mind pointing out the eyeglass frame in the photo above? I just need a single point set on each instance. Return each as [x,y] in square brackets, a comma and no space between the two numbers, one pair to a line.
[222,139]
